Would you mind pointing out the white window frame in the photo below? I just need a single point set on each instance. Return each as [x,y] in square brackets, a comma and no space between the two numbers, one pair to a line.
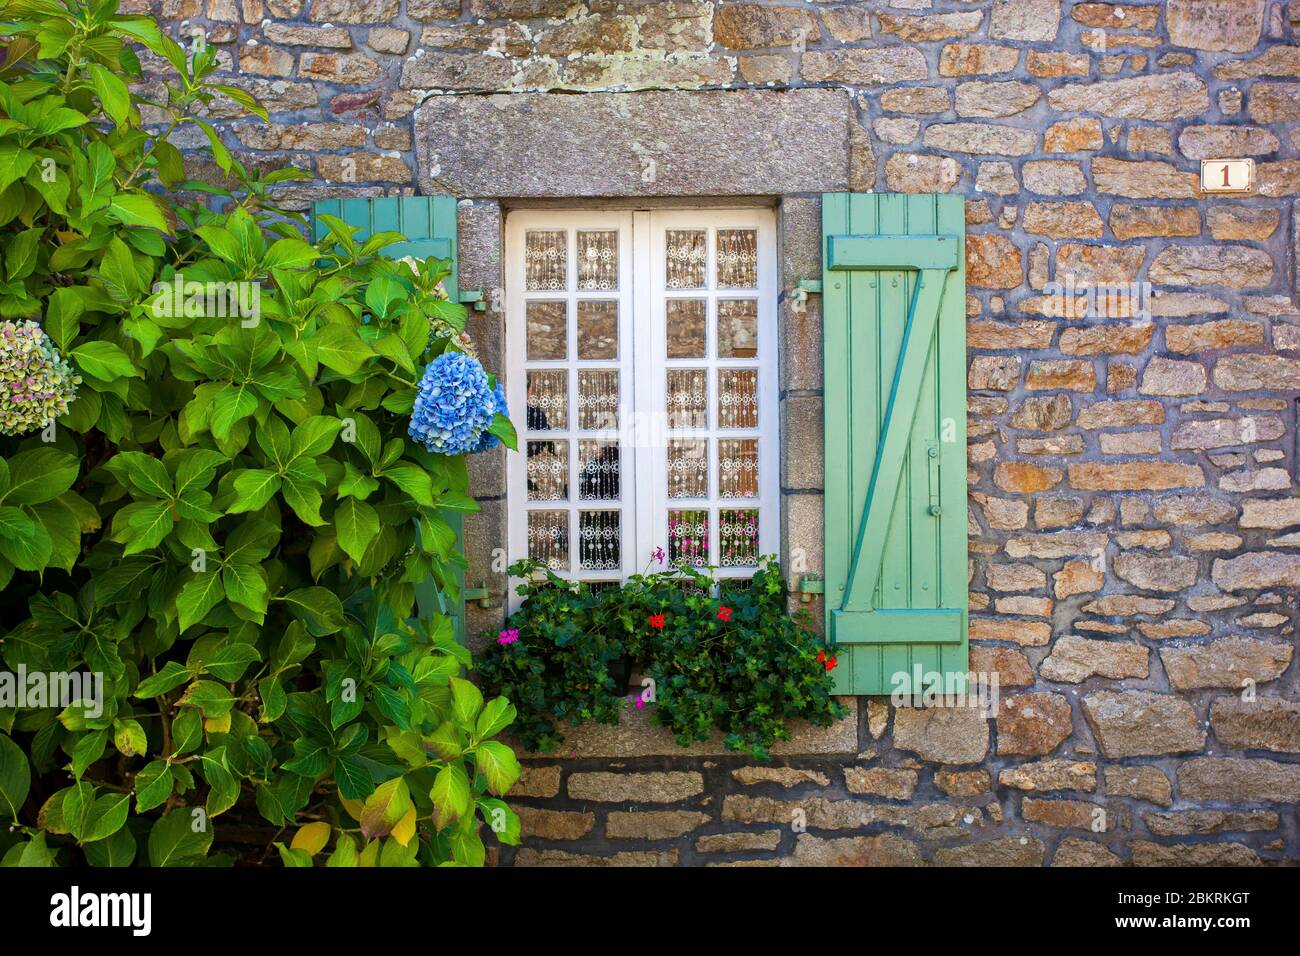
[643,363]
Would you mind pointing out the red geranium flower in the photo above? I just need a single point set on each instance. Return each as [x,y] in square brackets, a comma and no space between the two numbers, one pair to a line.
[831,663]
[821,657]
[724,613]
[657,620]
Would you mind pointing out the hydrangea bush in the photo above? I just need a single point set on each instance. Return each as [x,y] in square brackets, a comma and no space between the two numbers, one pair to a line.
[228,533]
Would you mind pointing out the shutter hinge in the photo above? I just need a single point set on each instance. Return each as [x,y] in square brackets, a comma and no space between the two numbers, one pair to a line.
[810,584]
[480,594]
[804,287]
[476,297]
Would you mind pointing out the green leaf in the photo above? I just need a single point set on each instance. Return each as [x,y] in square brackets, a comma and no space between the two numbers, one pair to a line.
[20,253]
[501,820]
[413,480]
[172,675]
[313,436]
[211,698]
[178,839]
[15,777]
[293,858]
[104,360]
[466,701]
[14,163]
[104,817]
[113,851]
[385,807]
[498,764]
[219,152]
[289,254]
[319,610]
[137,209]
[231,660]
[200,595]
[40,474]
[466,846]
[254,487]
[223,786]
[153,785]
[496,717]
[356,525]
[450,794]
[22,541]
[142,525]
[63,311]
[345,852]
[233,404]
[145,473]
[112,92]
[341,349]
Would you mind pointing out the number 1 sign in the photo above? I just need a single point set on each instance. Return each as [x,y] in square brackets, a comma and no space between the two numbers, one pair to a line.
[1227,175]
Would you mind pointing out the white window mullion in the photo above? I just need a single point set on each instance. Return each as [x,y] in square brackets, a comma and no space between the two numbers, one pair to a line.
[645,438]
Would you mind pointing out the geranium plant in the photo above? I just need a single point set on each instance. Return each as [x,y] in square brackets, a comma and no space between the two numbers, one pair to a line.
[223,524]
[721,654]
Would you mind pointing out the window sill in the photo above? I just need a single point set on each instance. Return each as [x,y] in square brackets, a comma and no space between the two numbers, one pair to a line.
[635,736]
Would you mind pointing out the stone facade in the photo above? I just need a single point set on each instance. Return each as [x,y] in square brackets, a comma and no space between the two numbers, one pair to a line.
[1134,512]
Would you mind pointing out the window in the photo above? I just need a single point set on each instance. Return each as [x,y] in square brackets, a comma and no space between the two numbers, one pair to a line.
[641,347]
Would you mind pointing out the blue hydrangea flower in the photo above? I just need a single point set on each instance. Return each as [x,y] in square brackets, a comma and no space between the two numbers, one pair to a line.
[488,441]
[454,405]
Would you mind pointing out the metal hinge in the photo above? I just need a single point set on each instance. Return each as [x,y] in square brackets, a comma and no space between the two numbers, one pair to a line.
[809,585]
[480,594]
[476,297]
[804,287]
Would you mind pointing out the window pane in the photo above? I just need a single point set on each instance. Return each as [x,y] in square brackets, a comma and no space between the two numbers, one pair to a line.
[688,395]
[548,330]
[737,328]
[548,538]
[598,541]
[548,400]
[737,259]
[738,468]
[688,468]
[688,537]
[548,470]
[597,329]
[598,260]
[738,537]
[546,260]
[598,470]
[598,399]
[737,398]
[686,323]
[686,257]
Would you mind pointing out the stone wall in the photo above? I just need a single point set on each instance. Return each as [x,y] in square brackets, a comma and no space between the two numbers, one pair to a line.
[1134,513]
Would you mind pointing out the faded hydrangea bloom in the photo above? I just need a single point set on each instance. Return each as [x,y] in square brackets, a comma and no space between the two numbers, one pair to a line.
[36,385]
[455,405]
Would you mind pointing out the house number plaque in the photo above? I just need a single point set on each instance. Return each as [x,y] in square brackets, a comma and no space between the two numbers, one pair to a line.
[1227,175]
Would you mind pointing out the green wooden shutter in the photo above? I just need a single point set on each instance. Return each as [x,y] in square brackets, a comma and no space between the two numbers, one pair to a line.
[895,406]
[429,224]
